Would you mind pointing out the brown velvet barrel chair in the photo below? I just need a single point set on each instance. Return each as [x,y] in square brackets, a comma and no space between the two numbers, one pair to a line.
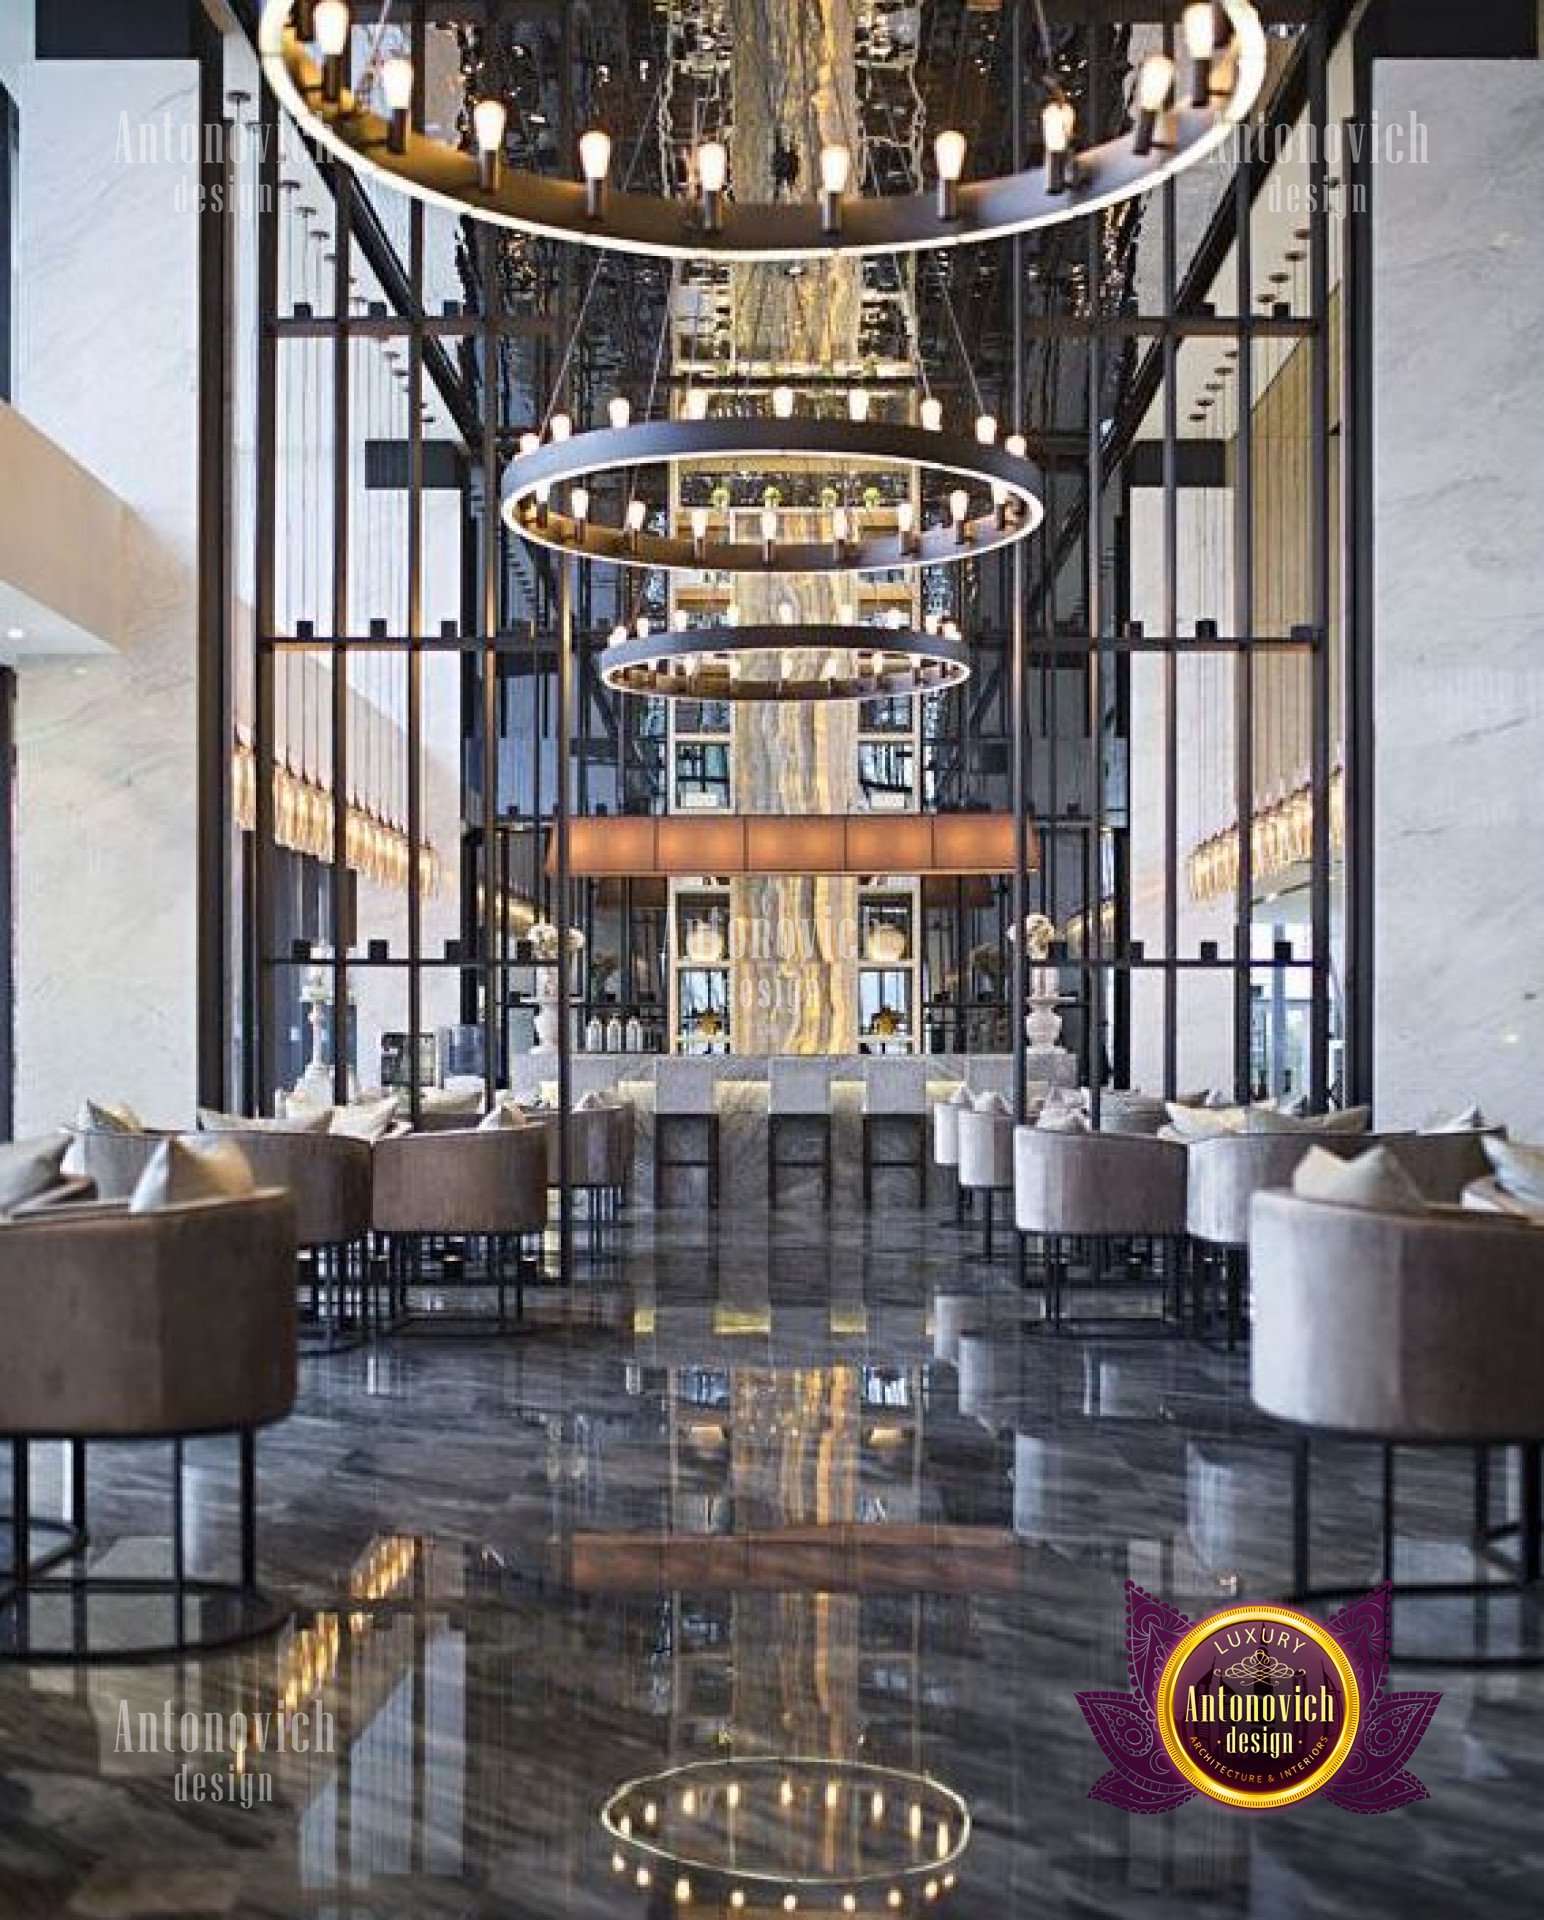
[167,1325]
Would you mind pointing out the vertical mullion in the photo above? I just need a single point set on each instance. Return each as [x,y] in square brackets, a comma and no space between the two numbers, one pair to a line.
[342,348]
[1320,534]
[258,1065]
[1171,649]
[562,758]
[1019,907]
[414,622]
[1243,628]
[487,248]
[1093,866]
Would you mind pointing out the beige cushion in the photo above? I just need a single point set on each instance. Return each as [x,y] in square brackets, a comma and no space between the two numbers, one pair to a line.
[1063,1120]
[297,1120]
[184,1170]
[1203,1123]
[105,1116]
[1270,1120]
[589,1102]
[1468,1120]
[29,1168]
[1519,1168]
[991,1103]
[1490,1197]
[961,1096]
[467,1100]
[1373,1179]
[368,1120]
[503,1113]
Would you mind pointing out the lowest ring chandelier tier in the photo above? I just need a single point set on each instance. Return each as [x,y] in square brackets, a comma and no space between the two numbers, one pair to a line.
[1182,111]
[784,663]
[1000,484]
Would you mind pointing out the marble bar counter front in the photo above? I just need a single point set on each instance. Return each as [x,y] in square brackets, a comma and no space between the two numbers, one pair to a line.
[736,1090]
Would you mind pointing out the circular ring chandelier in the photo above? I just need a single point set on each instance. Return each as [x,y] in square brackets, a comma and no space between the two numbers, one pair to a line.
[745,1834]
[858,542]
[1182,112]
[812,662]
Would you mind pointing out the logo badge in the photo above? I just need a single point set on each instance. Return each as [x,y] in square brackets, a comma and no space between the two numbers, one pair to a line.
[1258,1706]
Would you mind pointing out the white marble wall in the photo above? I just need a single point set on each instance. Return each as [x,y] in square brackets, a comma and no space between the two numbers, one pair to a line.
[106,750]
[1459,421]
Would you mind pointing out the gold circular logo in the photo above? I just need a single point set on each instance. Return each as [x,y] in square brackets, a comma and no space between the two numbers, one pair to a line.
[1258,1706]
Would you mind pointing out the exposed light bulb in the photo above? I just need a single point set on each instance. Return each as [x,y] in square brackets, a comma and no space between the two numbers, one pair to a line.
[906,525]
[858,399]
[1154,80]
[949,158]
[932,413]
[1017,445]
[560,426]
[618,635]
[489,119]
[529,442]
[930,623]
[697,403]
[397,83]
[579,504]
[782,402]
[1057,121]
[986,428]
[1199,22]
[769,527]
[595,164]
[844,614]
[785,613]
[732,619]
[637,513]
[835,171]
[330,23]
[641,628]
[959,506]
[680,620]
[699,524]
[619,410]
[712,177]
[841,526]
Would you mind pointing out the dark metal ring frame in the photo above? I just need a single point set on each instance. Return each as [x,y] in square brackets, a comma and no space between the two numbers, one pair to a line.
[889,444]
[718,663]
[438,173]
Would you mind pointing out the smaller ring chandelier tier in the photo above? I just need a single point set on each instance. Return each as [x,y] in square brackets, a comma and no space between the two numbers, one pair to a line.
[858,544]
[1182,112]
[784,663]
[797,1835]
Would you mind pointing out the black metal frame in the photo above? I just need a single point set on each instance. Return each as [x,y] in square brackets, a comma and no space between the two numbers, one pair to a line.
[255,1614]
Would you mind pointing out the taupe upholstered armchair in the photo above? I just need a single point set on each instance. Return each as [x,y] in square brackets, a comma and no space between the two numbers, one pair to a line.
[329,1178]
[985,1164]
[478,1186]
[600,1156]
[1091,1193]
[160,1325]
[1401,1328]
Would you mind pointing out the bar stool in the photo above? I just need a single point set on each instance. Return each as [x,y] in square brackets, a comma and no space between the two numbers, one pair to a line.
[685,1109]
[895,1101]
[946,1141]
[798,1102]
[986,1154]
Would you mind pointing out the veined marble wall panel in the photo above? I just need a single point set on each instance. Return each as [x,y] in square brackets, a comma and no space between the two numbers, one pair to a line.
[105,924]
[1459,496]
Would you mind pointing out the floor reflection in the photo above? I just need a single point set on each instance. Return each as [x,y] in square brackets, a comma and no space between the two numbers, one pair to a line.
[804,1519]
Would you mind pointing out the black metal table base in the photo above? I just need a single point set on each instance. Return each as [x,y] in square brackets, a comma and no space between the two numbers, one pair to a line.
[1140,1264]
[506,1267]
[1479,1605]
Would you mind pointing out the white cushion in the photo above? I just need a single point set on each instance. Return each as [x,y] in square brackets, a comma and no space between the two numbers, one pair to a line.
[1468,1120]
[301,1120]
[1519,1168]
[1063,1120]
[961,1096]
[1203,1123]
[468,1100]
[369,1120]
[184,1170]
[1268,1120]
[29,1168]
[1374,1179]
[502,1114]
[588,1102]
[991,1103]
[106,1116]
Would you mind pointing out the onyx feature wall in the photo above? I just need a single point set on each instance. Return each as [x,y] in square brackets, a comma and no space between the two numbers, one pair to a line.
[1458,670]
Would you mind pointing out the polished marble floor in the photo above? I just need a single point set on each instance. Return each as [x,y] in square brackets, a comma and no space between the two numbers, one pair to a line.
[753,1493]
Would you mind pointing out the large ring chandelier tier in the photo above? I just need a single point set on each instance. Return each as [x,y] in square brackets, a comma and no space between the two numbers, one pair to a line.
[1184,110]
[784,663]
[1008,481]
[800,1833]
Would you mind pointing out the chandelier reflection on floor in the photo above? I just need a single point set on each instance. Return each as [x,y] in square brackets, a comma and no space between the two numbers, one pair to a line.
[789,1834]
